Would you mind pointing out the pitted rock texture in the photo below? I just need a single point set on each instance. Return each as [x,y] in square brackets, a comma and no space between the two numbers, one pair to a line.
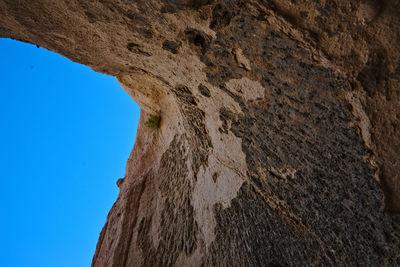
[279,139]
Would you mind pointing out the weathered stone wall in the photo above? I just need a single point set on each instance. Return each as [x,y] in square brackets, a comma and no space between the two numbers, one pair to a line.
[279,136]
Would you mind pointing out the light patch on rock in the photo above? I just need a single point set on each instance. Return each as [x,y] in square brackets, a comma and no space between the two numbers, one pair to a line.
[284,173]
[250,90]
[241,59]
[355,99]
[226,171]
[207,193]
[192,20]
[363,122]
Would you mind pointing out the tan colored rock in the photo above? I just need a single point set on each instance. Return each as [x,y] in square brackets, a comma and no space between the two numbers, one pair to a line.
[276,116]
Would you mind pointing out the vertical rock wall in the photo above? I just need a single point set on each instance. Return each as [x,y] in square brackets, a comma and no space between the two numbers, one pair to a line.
[278,142]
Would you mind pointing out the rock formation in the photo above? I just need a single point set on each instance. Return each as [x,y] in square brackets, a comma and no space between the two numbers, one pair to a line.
[279,133]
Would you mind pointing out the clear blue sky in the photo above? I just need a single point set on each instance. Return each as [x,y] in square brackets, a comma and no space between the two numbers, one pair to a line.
[65,136]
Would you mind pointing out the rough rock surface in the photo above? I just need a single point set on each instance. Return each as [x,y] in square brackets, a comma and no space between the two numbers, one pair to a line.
[279,136]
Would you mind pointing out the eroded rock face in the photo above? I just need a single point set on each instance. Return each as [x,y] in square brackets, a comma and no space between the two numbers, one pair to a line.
[279,134]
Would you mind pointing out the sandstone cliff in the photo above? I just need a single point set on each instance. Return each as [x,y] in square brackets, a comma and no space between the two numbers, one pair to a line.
[279,136]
